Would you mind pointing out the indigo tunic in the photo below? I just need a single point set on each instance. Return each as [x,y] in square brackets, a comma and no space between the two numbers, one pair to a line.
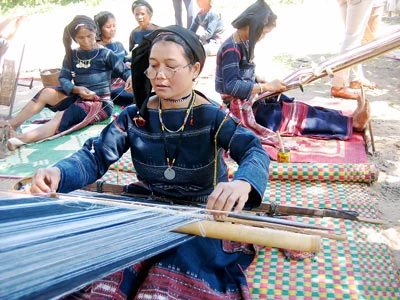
[202,268]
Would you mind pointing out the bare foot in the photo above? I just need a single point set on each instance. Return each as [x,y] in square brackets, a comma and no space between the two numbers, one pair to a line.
[361,118]
[360,105]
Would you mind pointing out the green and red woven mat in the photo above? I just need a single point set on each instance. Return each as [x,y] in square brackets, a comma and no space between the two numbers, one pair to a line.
[360,268]
[291,171]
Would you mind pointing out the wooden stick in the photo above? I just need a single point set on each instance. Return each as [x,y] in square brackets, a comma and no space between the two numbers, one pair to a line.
[280,141]
[288,228]
[253,235]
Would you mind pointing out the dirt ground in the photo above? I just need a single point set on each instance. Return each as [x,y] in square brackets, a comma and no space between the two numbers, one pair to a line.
[305,32]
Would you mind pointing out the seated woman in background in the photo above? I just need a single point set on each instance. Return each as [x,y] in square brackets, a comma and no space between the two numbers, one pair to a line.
[212,27]
[143,13]
[106,30]
[187,135]
[238,85]
[84,95]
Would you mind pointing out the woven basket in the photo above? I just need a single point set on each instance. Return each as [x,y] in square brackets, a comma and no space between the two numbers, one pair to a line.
[50,77]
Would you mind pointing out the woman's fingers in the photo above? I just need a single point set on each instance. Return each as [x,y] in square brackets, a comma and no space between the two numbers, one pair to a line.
[228,196]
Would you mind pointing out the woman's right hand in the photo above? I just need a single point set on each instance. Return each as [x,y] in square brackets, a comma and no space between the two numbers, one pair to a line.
[84,93]
[45,180]
[276,85]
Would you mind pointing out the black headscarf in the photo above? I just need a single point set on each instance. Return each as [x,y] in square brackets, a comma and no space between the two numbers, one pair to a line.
[71,30]
[140,61]
[257,16]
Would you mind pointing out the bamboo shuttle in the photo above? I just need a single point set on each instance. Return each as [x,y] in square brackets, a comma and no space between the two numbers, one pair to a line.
[253,235]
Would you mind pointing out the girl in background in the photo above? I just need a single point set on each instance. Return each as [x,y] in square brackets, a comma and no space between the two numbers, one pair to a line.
[106,30]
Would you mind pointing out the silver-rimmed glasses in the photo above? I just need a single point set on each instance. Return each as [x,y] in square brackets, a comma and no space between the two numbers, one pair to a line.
[168,72]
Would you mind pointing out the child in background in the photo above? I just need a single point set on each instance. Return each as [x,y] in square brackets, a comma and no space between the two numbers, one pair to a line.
[211,23]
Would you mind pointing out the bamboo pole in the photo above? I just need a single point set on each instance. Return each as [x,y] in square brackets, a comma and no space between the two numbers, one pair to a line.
[253,235]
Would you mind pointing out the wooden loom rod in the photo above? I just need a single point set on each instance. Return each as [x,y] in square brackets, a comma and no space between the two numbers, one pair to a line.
[288,228]
[264,207]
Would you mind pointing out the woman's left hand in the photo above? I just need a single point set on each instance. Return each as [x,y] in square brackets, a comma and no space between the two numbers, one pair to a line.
[227,196]
[128,85]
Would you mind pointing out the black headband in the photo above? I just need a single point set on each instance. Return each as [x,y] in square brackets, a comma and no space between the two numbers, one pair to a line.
[78,22]
[140,61]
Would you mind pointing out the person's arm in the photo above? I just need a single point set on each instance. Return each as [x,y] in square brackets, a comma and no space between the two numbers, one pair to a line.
[275,85]
[249,183]
[132,41]
[6,23]
[213,19]
[92,161]
[195,25]
[65,76]
[118,67]
[233,84]
[65,79]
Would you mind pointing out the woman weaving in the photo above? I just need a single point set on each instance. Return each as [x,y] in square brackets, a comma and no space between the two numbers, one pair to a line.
[239,86]
[177,138]
[84,95]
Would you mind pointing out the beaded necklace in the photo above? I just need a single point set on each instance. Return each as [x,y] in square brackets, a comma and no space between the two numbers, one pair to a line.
[189,108]
[169,172]
[179,100]
[85,63]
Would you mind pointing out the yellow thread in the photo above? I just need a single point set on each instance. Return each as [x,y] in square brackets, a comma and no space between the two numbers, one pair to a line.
[201,229]
[216,148]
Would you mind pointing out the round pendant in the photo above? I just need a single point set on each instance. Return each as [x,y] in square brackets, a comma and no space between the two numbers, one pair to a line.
[78,66]
[169,173]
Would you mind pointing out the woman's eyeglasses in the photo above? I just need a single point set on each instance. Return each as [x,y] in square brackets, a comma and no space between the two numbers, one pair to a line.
[168,72]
